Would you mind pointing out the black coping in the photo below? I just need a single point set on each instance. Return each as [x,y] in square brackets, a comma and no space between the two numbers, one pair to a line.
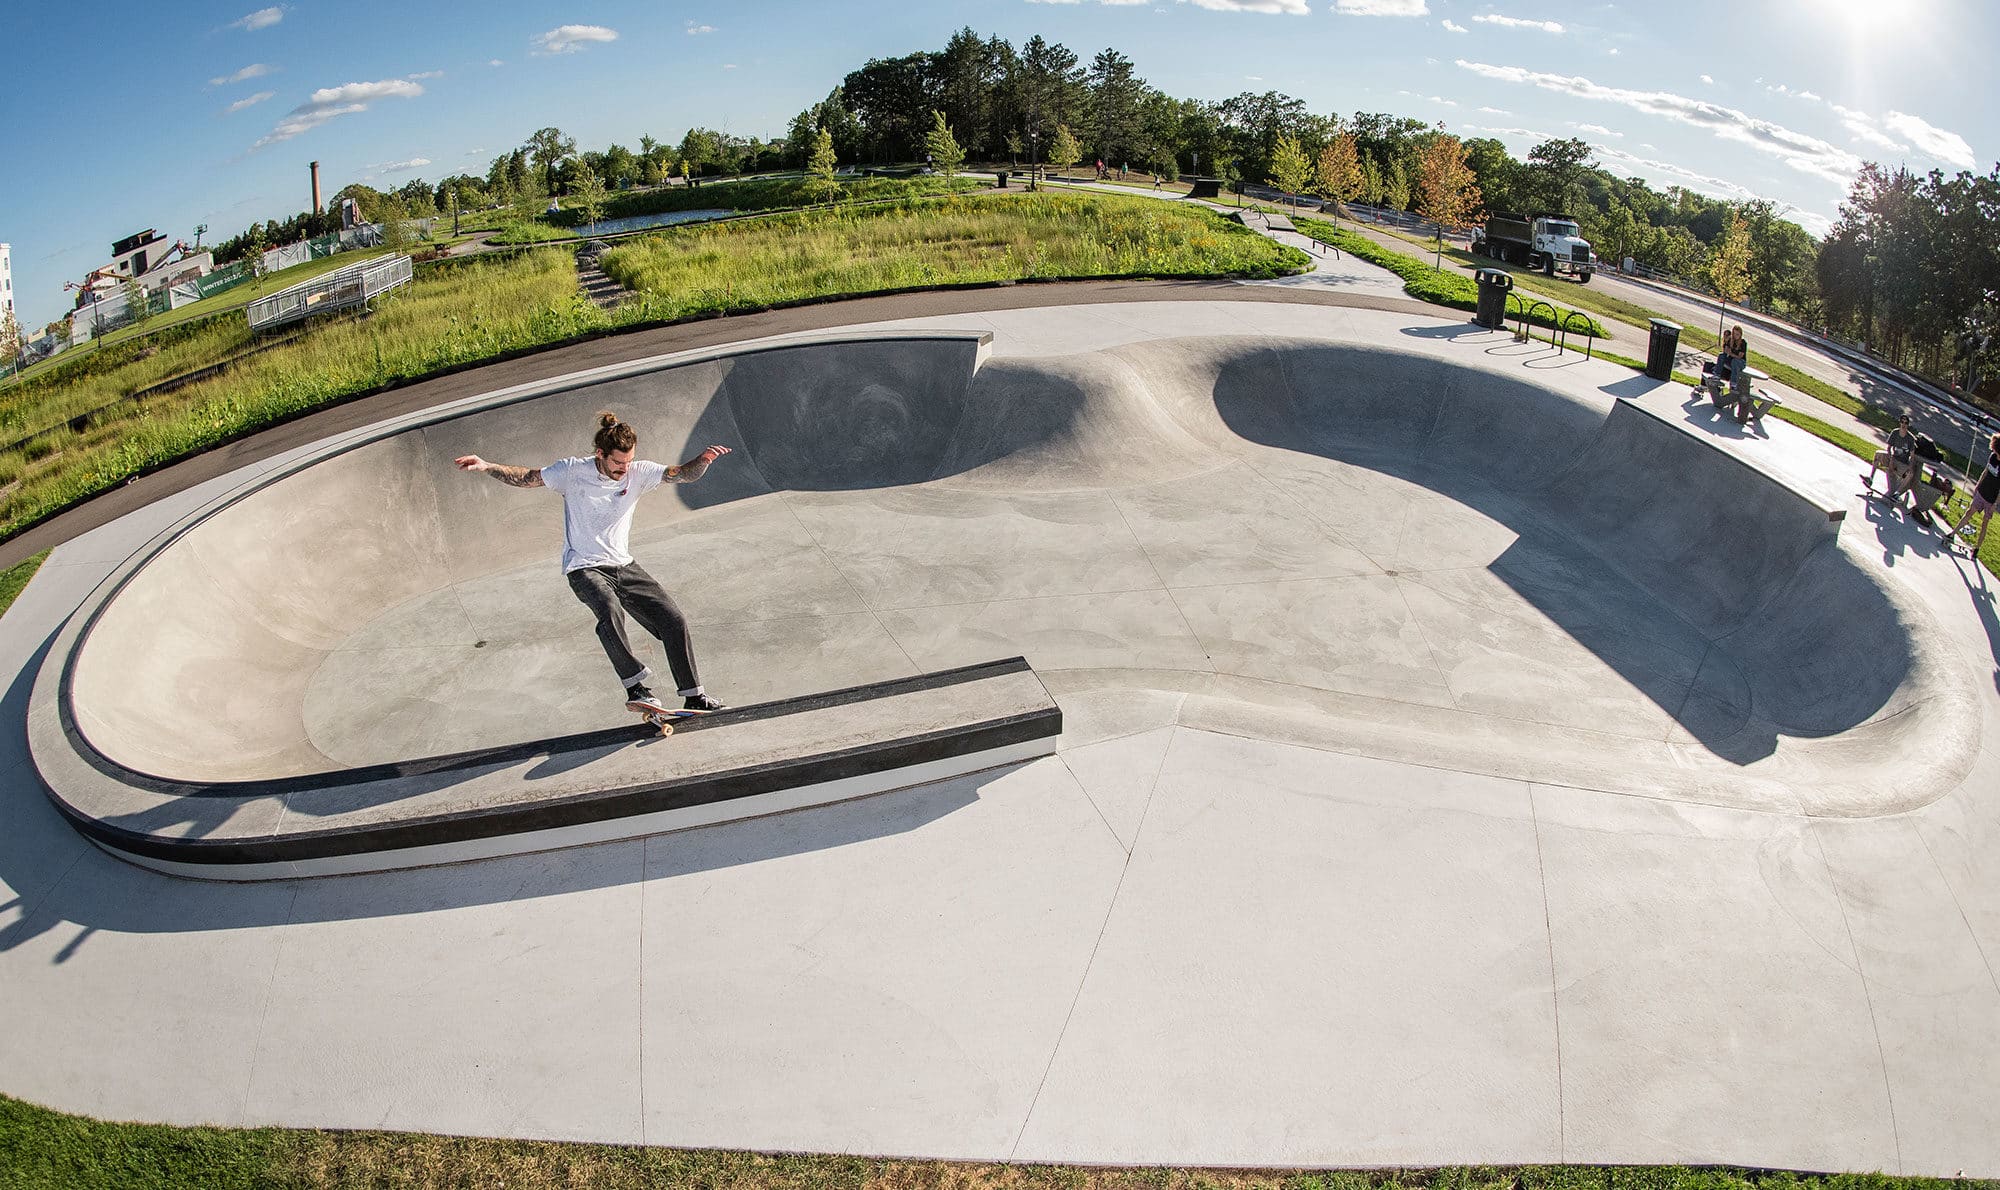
[574,809]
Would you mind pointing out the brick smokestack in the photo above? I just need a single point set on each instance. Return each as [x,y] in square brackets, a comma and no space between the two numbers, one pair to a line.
[317,208]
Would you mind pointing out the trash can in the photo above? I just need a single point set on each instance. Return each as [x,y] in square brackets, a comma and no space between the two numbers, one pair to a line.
[1660,348]
[1000,179]
[1493,287]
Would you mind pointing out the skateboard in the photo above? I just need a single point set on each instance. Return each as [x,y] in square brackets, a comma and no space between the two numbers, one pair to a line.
[660,717]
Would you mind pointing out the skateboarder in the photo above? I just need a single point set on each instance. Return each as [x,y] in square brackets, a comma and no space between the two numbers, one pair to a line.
[600,492]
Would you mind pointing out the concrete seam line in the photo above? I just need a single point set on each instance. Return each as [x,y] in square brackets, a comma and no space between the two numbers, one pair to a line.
[1555,995]
[1812,828]
[1959,905]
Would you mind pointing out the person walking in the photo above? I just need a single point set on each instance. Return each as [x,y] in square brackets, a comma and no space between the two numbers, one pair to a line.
[600,491]
[1985,494]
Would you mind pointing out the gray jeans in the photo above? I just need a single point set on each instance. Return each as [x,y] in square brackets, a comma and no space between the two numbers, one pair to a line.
[611,591]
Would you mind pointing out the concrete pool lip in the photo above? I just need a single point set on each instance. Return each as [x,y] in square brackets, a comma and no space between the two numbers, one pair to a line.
[143,818]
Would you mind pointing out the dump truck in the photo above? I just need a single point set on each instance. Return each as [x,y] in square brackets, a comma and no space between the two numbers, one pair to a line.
[1547,242]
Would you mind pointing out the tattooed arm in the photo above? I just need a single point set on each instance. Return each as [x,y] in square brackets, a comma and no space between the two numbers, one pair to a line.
[513,477]
[695,467]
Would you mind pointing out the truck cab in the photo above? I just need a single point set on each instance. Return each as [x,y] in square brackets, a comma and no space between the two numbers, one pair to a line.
[1547,242]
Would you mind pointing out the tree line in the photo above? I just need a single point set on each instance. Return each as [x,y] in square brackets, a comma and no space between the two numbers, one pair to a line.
[1910,267]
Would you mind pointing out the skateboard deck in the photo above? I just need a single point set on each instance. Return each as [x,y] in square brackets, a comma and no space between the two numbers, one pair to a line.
[660,717]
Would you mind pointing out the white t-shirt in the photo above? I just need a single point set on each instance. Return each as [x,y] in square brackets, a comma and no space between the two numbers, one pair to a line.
[597,512]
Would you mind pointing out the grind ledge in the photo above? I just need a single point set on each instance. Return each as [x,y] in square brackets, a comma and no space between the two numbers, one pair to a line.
[617,783]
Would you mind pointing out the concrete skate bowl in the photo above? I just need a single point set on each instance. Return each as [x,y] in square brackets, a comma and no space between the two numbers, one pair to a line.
[1338,545]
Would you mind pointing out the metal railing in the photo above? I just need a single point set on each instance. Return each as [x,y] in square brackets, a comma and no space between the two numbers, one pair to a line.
[341,289]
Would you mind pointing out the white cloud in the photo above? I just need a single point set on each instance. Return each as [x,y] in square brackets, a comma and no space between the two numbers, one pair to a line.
[568,39]
[729,66]
[247,101]
[1253,78]
[1430,98]
[1296,8]
[426,74]
[695,30]
[1382,8]
[1807,154]
[495,62]
[1451,26]
[1494,111]
[329,102]
[1527,132]
[255,70]
[398,167]
[263,18]
[1612,51]
[1708,80]
[1595,129]
[1493,18]
[1861,126]
[1807,95]
[1948,147]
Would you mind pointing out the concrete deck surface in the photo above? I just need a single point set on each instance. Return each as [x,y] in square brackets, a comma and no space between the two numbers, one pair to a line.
[1494,879]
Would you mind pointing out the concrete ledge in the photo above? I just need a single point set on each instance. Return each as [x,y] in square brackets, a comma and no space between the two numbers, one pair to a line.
[614,784]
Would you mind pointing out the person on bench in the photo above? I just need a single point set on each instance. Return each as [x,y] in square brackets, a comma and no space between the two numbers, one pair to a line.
[1898,458]
[1730,359]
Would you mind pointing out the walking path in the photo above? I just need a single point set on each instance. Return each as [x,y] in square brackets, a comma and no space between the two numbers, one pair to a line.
[1206,931]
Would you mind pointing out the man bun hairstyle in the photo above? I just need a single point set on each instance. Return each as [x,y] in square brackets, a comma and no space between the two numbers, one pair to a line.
[613,435]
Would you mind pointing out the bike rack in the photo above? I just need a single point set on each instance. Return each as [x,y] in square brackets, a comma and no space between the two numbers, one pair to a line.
[1521,328]
[1589,338]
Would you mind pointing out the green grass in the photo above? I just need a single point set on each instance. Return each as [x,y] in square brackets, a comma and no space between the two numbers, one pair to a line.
[46,1150]
[1440,287]
[15,578]
[951,241]
[453,317]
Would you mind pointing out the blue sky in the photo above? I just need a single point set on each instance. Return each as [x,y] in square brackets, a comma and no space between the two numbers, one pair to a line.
[169,115]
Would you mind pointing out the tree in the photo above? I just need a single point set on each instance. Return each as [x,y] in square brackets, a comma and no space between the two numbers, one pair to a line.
[893,99]
[820,180]
[1559,166]
[1014,150]
[1064,151]
[1729,267]
[11,340]
[589,193]
[137,307]
[547,147]
[1396,187]
[1337,176]
[942,147]
[965,75]
[1498,174]
[1447,192]
[255,248]
[1291,172]
[394,219]
[700,149]
[1115,93]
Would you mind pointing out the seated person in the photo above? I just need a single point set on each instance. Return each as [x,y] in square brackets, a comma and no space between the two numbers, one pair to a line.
[1730,357]
[1898,458]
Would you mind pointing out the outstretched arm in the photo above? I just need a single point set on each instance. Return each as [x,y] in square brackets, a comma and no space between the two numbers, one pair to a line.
[693,469]
[513,477]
